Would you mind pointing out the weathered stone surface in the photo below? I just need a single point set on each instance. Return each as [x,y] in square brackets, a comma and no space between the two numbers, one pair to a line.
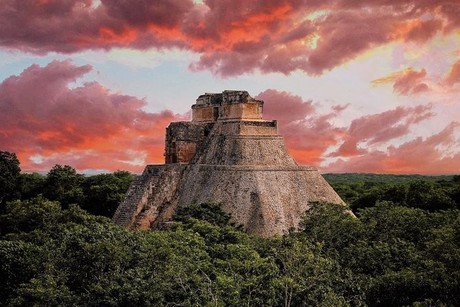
[228,105]
[239,163]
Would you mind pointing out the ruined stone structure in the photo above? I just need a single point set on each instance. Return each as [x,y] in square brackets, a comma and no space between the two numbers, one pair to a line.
[229,155]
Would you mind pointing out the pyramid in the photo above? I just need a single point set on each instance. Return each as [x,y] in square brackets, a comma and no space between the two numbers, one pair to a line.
[227,154]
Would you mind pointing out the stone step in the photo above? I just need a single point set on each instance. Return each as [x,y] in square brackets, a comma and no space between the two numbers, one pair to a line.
[139,192]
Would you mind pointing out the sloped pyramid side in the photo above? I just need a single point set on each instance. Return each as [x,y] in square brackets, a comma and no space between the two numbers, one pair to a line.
[254,178]
[242,165]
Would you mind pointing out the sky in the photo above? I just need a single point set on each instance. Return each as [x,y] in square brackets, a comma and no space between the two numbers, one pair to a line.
[356,86]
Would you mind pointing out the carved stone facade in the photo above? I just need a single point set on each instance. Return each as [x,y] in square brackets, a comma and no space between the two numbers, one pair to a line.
[228,105]
[229,155]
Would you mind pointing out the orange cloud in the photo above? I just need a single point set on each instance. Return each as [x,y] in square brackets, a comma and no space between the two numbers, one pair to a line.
[406,82]
[410,82]
[231,36]
[454,75]
[417,30]
[45,122]
[311,136]
[380,128]
[418,156]
[307,134]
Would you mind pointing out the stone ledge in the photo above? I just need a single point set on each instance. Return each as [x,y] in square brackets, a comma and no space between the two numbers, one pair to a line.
[266,168]
[254,136]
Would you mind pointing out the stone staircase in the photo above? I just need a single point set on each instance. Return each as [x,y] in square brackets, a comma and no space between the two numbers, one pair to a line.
[163,188]
[137,196]
[144,212]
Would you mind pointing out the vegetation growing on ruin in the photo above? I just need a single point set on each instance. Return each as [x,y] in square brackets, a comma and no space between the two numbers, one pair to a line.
[58,248]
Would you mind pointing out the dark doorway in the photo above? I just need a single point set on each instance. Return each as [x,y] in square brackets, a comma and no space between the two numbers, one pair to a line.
[215,113]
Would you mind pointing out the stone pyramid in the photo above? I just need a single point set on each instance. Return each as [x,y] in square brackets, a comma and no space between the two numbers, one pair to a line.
[228,155]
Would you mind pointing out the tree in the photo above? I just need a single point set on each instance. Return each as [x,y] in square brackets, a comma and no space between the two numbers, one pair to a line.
[211,213]
[104,192]
[63,184]
[31,185]
[332,225]
[306,277]
[27,215]
[9,174]
[19,261]
[427,195]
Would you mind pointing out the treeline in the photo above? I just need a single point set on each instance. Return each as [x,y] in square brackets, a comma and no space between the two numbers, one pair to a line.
[431,193]
[97,194]
[391,254]
[382,178]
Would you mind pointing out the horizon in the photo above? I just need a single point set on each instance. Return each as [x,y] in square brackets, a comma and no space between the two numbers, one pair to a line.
[355,87]
[99,172]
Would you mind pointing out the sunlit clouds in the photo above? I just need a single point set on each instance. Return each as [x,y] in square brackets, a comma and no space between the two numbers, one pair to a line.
[356,86]
[45,122]
[232,36]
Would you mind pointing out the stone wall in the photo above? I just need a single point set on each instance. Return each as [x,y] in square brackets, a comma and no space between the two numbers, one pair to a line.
[228,105]
[183,139]
[264,200]
[136,198]
[240,163]
[162,199]
[259,128]
[205,113]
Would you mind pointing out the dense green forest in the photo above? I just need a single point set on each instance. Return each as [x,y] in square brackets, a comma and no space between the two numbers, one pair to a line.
[58,247]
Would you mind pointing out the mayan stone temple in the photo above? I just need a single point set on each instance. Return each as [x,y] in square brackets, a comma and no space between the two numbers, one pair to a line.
[228,155]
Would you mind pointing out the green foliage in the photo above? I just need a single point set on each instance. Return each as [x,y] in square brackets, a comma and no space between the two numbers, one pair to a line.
[354,178]
[430,196]
[400,248]
[9,174]
[307,277]
[99,194]
[19,262]
[25,216]
[338,230]
[399,255]
[63,184]
[31,185]
[211,213]
[427,193]
[103,193]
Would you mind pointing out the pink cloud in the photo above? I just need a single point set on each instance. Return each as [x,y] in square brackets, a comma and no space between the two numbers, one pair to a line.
[418,156]
[421,31]
[454,75]
[345,34]
[380,128]
[307,133]
[231,36]
[406,82]
[46,122]
[410,82]
[310,136]
[86,126]
[285,107]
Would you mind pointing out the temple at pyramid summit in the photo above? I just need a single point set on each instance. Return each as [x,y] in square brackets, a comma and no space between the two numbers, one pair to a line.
[227,154]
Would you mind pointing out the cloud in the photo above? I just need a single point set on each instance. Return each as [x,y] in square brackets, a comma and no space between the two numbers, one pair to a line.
[41,116]
[231,36]
[285,107]
[406,82]
[47,120]
[379,128]
[421,31]
[454,75]
[365,145]
[307,133]
[345,34]
[417,156]
[410,82]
